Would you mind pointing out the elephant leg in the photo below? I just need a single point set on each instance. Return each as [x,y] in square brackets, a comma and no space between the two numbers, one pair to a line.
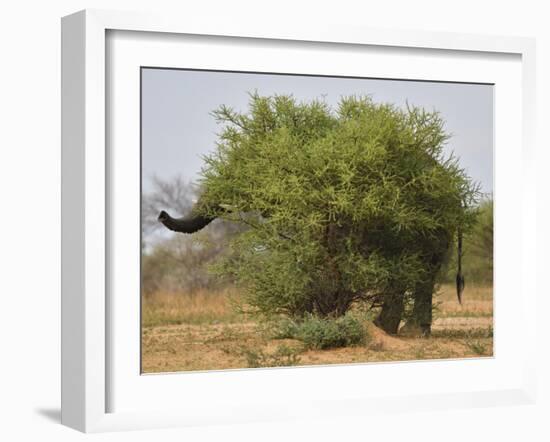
[423,306]
[391,313]
[423,298]
[422,312]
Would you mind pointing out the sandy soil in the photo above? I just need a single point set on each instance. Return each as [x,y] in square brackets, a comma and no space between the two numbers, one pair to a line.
[217,346]
[201,333]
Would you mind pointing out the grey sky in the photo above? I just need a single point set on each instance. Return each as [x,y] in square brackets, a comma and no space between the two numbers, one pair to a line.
[177,128]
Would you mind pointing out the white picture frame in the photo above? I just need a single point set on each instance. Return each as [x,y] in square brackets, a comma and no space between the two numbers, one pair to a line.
[87,356]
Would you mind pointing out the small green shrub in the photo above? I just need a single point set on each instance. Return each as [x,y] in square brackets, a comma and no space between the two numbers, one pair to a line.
[285,328]
[477,347]
[323,333]
[284,356]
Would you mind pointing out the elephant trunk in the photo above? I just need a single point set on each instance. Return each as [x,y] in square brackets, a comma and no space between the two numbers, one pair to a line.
[188,224]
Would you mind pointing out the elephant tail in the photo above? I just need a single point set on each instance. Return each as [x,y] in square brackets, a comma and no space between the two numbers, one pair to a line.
[459,276]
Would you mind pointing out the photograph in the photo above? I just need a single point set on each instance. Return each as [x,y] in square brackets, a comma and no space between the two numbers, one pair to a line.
[292,220]
[242,221]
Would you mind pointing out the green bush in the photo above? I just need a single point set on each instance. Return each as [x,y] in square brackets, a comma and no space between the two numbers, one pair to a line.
[285,328]
[323,333]
[284,356]
[344,205]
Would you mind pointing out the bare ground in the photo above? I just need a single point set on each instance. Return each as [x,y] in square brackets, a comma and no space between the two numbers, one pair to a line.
[221,342]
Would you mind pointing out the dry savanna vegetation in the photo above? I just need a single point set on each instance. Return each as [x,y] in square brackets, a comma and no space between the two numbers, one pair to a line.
[205,331]
[317,236]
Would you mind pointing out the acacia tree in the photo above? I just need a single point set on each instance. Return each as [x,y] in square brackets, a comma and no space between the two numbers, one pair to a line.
[345,206]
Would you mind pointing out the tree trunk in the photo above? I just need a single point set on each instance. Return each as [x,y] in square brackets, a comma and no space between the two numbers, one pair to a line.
[391,313]
[333,304]
[332,300]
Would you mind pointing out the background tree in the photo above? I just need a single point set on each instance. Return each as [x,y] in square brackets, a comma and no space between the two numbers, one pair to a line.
[477,248]
[176,194]
[177,263]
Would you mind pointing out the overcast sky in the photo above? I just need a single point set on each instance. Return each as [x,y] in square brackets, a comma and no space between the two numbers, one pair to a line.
[177,128]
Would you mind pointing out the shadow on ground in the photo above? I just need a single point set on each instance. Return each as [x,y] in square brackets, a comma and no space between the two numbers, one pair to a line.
[51,414]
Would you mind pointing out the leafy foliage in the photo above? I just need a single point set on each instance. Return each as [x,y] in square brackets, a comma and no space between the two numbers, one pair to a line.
[343,206]
[323,333]
[284,356]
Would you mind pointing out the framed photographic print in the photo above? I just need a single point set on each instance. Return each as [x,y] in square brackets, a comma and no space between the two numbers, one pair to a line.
[262,224]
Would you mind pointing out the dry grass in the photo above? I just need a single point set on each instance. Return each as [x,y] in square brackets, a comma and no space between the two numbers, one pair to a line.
[202,331]
[198,307]
[477,302]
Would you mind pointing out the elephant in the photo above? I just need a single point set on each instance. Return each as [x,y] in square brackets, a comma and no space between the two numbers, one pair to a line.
[420,321]
[392,306]
[363,157]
